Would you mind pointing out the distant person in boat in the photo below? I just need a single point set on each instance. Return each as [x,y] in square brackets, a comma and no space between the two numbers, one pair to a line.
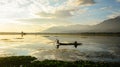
[76,44]
[57,41]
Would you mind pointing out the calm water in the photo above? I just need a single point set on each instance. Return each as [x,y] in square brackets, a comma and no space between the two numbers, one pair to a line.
[96,48]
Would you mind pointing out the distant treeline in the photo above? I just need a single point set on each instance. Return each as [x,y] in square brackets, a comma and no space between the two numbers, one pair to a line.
[88,34]
[82,33]
[28,61]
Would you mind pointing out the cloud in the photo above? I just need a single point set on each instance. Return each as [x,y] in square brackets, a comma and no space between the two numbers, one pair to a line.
[114,14]
[4,2]
[106,8]
[50,15]
[53,11]
[88,2]
[42,14]
[67,9]
[17,3]
[40,21]
[45,8]
[79,2]
[75,4]
[118,0]
[56,14]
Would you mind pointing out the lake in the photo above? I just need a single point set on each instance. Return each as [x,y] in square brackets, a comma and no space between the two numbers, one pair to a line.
[95,48]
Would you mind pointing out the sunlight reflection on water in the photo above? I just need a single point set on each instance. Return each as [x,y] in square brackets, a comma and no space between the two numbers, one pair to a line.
[97,48]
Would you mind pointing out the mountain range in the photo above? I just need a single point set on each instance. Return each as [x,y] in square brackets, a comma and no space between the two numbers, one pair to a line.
[110,25]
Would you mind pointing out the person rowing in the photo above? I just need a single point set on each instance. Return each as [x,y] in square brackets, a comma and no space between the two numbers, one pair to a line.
[75,44]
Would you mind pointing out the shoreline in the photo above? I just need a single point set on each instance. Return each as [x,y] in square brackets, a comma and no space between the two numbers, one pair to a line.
[29,61]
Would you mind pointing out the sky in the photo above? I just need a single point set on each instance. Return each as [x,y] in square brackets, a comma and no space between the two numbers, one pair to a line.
[39,15]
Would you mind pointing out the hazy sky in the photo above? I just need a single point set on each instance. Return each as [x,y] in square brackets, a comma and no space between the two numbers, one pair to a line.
[38,15]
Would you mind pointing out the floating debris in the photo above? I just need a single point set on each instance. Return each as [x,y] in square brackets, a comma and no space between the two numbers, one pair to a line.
[46,36]
[5,39]
[19,38]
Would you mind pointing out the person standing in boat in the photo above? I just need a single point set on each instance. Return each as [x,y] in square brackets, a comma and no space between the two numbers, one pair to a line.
[57,41]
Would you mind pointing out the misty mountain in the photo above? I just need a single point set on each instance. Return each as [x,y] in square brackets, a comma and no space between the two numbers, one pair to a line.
[110,25]
[68,29]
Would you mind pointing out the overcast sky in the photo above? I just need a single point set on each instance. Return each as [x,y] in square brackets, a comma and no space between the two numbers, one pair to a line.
[38,15]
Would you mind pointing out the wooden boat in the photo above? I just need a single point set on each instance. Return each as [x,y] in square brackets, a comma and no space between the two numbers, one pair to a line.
[75,44]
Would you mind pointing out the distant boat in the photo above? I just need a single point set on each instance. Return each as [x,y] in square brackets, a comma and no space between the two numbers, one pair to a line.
[74,43]
[22,33]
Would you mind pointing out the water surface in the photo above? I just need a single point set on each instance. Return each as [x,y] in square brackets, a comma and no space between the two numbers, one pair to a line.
[96,48]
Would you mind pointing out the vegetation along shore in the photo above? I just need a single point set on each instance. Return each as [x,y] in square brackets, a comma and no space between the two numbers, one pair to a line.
[28,61]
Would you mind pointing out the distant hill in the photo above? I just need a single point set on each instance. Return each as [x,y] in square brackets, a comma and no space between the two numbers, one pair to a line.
[68,29]
[110,25]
